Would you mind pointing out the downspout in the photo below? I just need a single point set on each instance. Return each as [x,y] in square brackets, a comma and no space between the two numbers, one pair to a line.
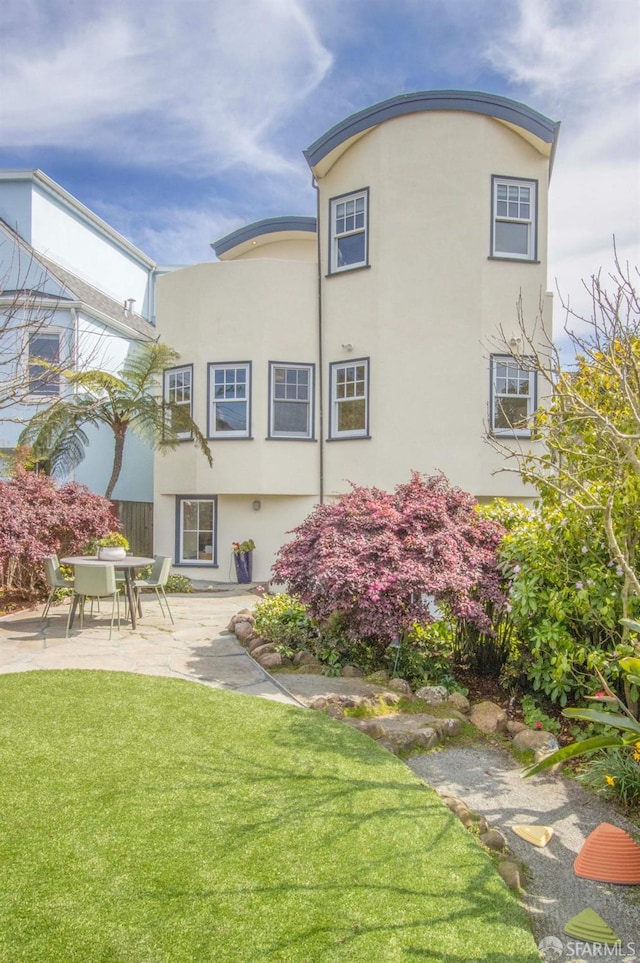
[314,184]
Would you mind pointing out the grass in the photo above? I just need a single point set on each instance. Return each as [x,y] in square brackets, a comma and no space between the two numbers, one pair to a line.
[150,820]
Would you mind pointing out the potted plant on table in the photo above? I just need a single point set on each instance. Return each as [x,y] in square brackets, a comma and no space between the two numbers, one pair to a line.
[243,558]
[111,547]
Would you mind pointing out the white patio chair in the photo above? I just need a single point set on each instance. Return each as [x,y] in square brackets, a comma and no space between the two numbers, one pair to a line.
[96,582]
[157,581]
[55,580]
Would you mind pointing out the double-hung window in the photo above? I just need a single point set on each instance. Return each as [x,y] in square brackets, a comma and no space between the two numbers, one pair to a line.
[290,400]
[350,399]
[513,396]
[196,530]
[513,232]
[229,400]
[44,357]
[178,396]
[349,231]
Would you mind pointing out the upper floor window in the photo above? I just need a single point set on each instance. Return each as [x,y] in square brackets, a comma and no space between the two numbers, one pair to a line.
[44,351]
[350,399]
[229,400]
[178,392]
[290,400]
[513,396]
[513,232]
[349,229]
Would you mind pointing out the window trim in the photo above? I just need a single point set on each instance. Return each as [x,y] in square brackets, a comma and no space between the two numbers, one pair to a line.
[532,255]
[182,435]
[292,436]
[532,397]
[334,434]
[47,332]
[212,435]
[199,563]
[333,201]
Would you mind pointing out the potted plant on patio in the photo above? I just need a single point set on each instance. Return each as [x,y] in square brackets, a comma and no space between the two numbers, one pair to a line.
[243,558]
[111,547]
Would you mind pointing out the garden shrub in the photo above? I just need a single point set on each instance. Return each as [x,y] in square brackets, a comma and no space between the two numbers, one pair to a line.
[616,774]
[283,621]
[380,559]
[37,519]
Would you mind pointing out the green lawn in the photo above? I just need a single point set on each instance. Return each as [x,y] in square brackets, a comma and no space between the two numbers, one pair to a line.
[146,820]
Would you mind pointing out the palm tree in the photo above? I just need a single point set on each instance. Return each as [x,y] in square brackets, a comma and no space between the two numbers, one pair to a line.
[131,399]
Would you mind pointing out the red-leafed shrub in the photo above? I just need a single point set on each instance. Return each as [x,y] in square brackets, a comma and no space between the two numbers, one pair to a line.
[379,559]
[38,519]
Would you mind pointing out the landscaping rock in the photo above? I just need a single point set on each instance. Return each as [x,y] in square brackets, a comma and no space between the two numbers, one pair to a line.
[270,660]
[404,739]
[318,703]
[447,727]
[352,672]
[267,648]
[378,678]
[370,727]
[488,717]
[534,739]
[459,809]
[244,615]
[432,694]
[388,745]
[254,643]
[513,727]
[303,658]
[459,702]
[335,712]
[244,631]
[390,698]
[510,873]
[493,839]
[401,686]
[311,668]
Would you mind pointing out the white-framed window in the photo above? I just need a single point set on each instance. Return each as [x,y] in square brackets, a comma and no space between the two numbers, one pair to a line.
[349,392]
[230,400]
[513,396]
[43,350]
[290,400]
[196,530]
[514,210]
[178,392]
[349,215]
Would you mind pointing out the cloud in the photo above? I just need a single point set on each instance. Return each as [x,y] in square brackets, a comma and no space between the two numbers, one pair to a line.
[191,86]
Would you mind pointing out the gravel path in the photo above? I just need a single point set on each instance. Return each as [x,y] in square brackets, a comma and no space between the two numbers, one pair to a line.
[488,780]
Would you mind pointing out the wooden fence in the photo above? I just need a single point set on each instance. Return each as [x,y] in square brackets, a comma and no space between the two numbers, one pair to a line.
[137,524]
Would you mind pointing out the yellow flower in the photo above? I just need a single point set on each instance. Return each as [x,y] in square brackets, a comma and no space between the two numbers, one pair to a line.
[636,756]
[638,746]
[610,780]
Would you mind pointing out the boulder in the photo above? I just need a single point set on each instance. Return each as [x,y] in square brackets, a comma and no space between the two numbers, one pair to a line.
[447,726]
[352,672]
[401,686]
[244,631]
[390,698]
[311,668]
[510,873]
[459,702]
[254,643]
[379,678]
[460,809]
[335,712]
[370,727]
[244,615]
[267,648]
[432,694]
[534,739]
[271,660]
[513,727]
[493,839]
[303,658]
[488,717]
[318,703]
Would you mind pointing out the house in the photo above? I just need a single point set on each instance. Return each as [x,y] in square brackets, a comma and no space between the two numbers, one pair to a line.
[362,343]
[74,292]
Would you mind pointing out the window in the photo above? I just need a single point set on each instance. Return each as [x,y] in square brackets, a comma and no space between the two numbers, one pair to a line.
[514,219]
[178,392]
[196,530]
[229,396]
[349,227]
[290,400]
[44,350]
[513,396]
[350,400]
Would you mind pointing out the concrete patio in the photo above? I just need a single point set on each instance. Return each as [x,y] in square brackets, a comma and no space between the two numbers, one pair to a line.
[197,647]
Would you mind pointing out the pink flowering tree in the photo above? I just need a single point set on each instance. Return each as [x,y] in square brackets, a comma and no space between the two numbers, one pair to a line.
[38,519]
[380,558]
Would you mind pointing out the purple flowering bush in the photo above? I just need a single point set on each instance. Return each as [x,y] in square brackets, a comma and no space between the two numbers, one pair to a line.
[378,559]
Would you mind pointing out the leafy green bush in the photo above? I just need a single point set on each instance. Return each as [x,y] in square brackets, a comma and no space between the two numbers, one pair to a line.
[282,620]
[615,774]
[537,718]
[175,584]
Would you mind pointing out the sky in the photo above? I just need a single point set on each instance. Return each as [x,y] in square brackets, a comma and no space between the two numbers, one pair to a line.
[178,121]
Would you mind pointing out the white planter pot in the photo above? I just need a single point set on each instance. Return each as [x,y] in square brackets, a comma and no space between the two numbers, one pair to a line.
[112,553]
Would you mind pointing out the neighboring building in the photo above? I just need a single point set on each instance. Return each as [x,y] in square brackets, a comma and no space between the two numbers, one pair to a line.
[362,344]
[79,293]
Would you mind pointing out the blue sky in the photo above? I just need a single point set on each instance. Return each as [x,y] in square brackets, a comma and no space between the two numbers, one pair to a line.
[179,120]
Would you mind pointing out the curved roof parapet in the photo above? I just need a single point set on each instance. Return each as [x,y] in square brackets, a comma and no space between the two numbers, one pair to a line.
[492,105]
[270,225]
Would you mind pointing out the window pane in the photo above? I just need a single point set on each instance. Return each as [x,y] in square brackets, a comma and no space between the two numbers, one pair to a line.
[190,515]
[351,250]
[352,415]
[189,545]
[512,238]
[231,416]
[44,347]
[205,517]
[291,417]
[511,412]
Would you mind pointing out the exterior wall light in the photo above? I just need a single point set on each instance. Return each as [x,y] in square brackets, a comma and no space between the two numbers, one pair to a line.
[256,505]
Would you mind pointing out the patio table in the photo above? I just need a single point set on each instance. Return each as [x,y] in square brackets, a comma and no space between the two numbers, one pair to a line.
[128,565]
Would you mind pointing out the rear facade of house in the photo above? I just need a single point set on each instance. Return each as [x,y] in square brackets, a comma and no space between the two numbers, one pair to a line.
[368,341]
